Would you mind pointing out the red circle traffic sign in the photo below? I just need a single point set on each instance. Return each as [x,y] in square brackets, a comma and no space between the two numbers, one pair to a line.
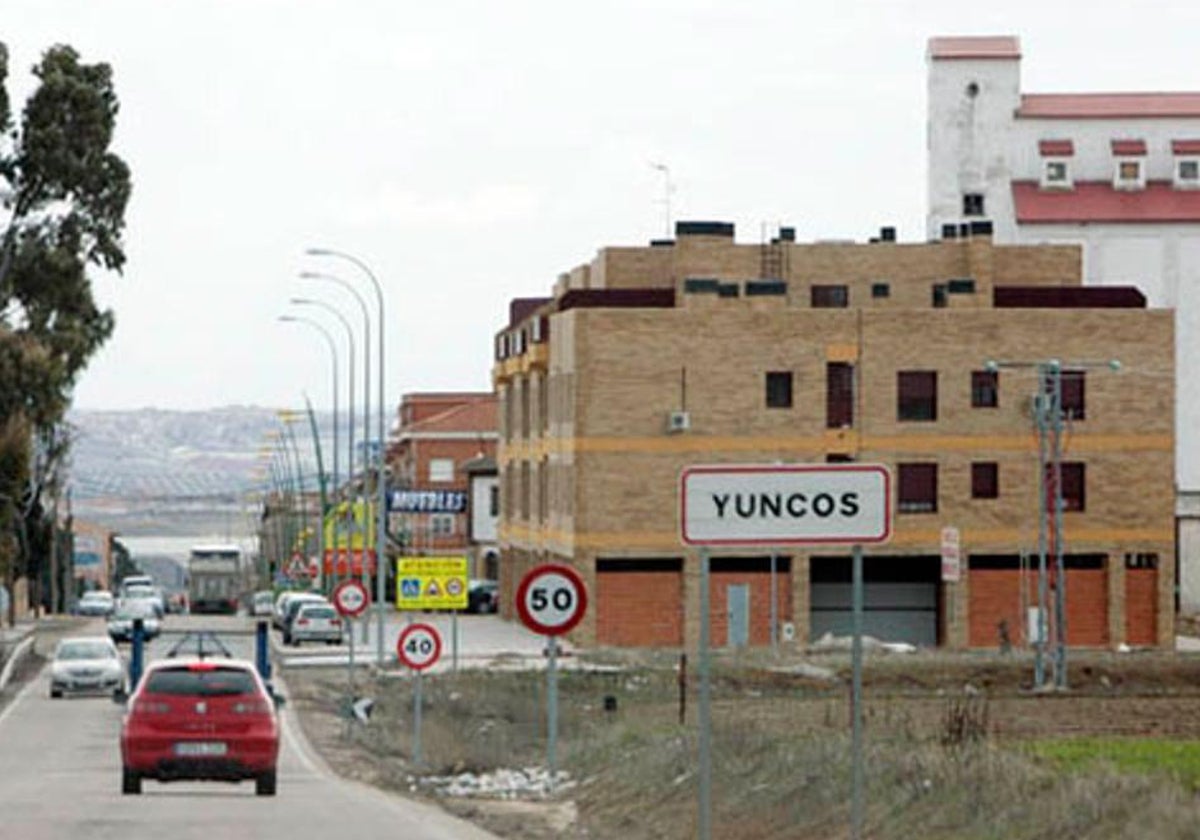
[351,598]
[551,599]
[419,646]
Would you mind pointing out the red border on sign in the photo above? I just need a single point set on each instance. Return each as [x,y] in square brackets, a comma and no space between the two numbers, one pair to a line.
[787,468]
[337,600]
[527,617]
[408,630]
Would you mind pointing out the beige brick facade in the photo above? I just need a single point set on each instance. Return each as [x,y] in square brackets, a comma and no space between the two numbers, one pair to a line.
[589,471]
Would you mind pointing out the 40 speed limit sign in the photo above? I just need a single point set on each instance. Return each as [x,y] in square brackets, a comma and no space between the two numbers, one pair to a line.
[419,646]
[551,599]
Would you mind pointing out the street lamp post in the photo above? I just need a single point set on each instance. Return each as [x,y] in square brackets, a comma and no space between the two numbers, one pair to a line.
[299,319]
[362,305]
[333,310]
[380,476]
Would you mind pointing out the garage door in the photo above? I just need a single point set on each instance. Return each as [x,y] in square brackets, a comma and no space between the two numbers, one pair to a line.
[900,598]
[995,596]
[639,603]
[1141,600]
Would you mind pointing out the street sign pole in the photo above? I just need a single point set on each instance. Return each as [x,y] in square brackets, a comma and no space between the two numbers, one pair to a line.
[705,704]
[454,641]
[417,721]
[350,658]
[856,727]
[552,708]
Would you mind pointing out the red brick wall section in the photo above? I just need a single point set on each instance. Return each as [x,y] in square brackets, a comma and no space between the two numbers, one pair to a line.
[1141,596]
[996,597]
[1087,607]
[760,604]
[639,609]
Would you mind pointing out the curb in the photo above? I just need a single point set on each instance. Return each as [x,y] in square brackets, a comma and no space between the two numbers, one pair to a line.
[16,656]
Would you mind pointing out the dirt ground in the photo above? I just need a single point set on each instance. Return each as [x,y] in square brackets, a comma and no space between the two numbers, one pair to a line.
[912,696]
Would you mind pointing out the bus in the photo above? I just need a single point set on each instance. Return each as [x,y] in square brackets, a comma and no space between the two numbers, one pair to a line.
[214,578]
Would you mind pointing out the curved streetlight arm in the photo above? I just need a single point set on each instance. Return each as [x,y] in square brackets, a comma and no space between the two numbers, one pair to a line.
[300,319]
[380,479]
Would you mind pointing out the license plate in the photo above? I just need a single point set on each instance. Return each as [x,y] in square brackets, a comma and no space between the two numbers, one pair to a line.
[200,748]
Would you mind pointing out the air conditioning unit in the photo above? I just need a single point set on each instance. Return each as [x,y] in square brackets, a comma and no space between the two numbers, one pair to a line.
[678,421]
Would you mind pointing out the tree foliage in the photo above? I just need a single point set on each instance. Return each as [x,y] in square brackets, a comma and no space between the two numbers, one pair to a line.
[63,193]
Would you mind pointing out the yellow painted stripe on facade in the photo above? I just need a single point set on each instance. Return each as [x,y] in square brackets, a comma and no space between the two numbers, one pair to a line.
[714,446]
[841,352]
[904,538]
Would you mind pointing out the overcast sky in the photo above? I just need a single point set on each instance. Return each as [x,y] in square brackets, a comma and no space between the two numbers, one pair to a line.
[469,152]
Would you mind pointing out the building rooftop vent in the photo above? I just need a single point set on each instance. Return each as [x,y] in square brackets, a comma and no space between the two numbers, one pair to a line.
[723,229]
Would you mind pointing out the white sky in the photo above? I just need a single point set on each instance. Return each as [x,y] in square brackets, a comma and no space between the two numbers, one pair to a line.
[469,152]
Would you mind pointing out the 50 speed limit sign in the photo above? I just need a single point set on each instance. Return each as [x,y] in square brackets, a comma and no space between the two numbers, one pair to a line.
[551,599]
[419,646]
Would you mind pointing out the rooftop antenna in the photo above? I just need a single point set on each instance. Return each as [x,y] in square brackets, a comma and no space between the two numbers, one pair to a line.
[668,188]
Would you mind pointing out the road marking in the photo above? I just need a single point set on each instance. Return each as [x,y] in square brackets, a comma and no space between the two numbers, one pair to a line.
[30,686]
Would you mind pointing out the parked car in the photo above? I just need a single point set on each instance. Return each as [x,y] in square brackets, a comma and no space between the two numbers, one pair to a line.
[285,598]
[316,622]
[197,719]
[96,602]
[483,596]
[120,624]
[262,604]
[149,594]
[86,663]
[293,609]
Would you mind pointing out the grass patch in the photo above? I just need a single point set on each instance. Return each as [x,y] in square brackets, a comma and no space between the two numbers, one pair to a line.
[1149,756]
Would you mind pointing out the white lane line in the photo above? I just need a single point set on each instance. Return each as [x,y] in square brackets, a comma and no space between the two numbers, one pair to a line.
[33,683]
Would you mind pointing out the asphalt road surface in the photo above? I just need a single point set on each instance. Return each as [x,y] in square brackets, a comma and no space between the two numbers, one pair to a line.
[60,772]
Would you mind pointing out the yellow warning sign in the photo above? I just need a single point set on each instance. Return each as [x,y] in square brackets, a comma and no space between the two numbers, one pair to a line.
[431,583]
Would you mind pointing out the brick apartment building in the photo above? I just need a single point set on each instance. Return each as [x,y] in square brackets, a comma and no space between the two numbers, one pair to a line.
[702,350]
[437,444]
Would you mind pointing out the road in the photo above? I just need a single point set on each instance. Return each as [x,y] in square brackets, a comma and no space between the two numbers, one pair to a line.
[60,778]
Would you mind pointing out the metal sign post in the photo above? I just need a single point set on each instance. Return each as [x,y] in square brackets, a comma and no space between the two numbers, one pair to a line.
[350,599]
[856,725]
[419,647]
[773,506]
[705,703]
[551,600]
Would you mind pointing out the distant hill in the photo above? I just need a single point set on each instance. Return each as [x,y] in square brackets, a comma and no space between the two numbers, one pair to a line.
[154,471]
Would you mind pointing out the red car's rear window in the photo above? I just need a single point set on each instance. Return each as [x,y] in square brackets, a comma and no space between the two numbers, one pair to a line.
[217,682]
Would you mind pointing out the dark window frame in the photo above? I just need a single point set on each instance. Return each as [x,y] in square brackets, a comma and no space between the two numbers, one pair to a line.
[839,395]
[830,296]
[916,396]
[1074,486]
[973,204]
[985,480]
[779,388]
[1073,388]
[917,487]
[985,389]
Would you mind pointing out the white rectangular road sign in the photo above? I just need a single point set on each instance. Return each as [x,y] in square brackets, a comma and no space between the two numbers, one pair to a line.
[797,504]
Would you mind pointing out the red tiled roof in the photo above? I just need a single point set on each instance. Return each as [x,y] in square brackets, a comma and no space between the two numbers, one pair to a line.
[1108,105]
[988,46]
[1097,201]
[1185,147]
[472,417]
[1056,148]
[1129,147]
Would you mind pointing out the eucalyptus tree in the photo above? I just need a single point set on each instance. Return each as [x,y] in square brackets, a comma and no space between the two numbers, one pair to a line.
[63,194]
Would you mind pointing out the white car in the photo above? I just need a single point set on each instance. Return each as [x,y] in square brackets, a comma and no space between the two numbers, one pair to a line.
[315,622]
[120,625]
[96,602]
[86,663]
[263,604]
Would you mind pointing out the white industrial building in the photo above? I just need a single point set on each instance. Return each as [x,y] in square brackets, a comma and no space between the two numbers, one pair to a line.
[1116,173]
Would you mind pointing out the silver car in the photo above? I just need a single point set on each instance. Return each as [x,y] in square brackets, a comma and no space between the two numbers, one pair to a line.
[86,663]
[317,622]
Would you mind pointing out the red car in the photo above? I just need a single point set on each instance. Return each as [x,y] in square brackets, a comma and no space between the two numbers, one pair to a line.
[200,719]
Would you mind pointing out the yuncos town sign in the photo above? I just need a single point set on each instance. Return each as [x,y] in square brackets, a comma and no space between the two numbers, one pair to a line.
[785,505]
